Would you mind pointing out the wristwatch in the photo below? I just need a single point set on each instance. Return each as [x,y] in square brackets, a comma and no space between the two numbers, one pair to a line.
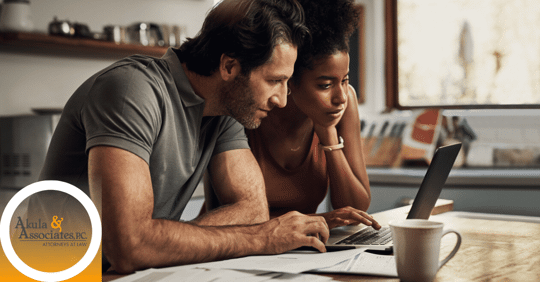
[333,147]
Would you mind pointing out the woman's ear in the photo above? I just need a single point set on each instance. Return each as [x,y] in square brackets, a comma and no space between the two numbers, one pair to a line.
[229,68]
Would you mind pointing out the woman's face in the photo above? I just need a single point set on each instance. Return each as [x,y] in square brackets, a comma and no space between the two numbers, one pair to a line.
[322,92]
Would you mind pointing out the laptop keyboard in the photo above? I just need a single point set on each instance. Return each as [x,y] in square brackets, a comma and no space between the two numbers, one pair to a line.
[368,236]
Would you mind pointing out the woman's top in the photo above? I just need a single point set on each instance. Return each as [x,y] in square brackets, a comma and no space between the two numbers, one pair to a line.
[302,188]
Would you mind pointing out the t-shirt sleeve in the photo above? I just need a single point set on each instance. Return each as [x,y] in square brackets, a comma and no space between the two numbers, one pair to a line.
[232,136]
[123,111]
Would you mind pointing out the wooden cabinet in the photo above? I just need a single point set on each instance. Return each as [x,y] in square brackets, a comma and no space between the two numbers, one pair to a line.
[44,44]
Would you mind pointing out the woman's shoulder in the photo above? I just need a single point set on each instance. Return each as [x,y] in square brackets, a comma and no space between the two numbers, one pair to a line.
[351,112]
[353,96]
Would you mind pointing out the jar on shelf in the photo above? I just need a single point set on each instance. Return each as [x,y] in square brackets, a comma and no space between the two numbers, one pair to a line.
[16,16]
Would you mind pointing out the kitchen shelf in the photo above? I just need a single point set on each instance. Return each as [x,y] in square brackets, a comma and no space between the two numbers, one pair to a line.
[41,43]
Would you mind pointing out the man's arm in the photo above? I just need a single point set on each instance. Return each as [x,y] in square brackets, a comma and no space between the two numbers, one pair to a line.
[238,184]
[133,240]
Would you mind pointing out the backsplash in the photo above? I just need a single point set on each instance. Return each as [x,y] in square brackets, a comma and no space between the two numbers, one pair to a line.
[502,138]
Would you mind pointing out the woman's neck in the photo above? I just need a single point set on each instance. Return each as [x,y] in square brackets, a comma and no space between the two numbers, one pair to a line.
[291,132]
[290,121]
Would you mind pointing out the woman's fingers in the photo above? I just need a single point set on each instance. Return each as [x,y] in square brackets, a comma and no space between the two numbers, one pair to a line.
[349,215]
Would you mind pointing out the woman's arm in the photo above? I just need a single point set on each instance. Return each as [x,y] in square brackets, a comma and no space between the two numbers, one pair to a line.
[349,182]
[349,185]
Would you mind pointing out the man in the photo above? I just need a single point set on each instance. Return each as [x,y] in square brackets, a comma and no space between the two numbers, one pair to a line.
[139,135]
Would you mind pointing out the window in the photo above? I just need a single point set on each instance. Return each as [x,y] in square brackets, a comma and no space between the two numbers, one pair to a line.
[463,53]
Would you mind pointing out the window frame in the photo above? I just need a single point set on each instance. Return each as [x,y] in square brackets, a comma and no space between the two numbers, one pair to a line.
[391,70]
[358,62]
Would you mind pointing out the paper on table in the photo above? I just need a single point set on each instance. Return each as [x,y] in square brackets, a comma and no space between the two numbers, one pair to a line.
[148,275]
[188,273]
[292,262]
[366,264]
[285,265]
[217,275]
[301,277]
[226,275]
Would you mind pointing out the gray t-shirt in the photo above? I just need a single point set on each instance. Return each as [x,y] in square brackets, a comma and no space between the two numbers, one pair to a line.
[146,106]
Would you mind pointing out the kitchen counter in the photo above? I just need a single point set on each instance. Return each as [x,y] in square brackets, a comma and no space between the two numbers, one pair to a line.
[492,177]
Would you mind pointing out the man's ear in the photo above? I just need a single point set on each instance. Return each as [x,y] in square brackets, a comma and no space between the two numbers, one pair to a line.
[291,85]
[229,67]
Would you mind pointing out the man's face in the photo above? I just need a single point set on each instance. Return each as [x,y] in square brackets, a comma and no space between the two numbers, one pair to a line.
[238,100]
[248,99]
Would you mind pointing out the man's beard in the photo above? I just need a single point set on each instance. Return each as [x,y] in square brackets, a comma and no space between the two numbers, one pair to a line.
[237,99]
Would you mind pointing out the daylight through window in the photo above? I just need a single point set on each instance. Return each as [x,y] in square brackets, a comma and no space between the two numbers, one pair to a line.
[468,52]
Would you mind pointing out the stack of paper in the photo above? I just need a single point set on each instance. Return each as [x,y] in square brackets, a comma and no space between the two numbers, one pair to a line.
[365,264]
[288,267]
[217,275]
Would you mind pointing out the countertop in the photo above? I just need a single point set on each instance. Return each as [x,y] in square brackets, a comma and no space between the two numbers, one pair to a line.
[517,177]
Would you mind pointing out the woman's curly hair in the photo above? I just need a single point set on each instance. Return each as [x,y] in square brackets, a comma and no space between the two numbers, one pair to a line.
[331,23]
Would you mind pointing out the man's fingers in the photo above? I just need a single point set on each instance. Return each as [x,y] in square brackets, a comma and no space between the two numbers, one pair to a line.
[319,227]
[322,233]
[316,233]
[315,243]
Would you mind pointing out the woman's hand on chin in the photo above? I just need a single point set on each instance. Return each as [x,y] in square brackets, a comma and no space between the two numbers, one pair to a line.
[327,134]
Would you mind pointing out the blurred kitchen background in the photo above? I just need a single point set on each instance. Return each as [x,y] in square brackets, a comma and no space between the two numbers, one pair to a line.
[67,41]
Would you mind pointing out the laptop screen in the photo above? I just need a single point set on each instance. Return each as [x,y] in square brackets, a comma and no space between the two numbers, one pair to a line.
[436,175]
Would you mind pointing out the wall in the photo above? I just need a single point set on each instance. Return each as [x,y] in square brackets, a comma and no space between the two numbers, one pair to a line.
[31,81]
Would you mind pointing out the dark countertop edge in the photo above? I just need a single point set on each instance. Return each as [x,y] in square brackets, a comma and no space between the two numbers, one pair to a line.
[513,177]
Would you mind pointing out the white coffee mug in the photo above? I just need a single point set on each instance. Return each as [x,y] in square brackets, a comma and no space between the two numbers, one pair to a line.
[416,248]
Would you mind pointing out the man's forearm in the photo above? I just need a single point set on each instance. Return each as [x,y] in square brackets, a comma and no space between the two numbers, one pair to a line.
[240,213]
[161,243]
[164,243]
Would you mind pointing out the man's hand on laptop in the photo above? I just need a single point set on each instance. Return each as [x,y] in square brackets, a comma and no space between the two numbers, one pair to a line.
[293,230]
[349,216]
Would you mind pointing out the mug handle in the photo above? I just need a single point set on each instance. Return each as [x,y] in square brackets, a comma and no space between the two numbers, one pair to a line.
[456,248]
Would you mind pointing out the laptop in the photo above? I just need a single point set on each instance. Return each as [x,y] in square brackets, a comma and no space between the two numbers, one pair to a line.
[349,237]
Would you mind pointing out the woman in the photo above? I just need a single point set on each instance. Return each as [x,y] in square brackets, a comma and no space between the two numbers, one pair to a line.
[314,142]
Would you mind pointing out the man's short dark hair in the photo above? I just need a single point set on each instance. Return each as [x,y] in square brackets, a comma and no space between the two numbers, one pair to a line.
[247,30]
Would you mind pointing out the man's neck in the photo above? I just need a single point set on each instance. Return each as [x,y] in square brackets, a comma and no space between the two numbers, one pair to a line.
[206,87]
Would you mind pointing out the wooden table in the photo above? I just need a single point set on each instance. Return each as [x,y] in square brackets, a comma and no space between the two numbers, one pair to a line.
[491,250]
